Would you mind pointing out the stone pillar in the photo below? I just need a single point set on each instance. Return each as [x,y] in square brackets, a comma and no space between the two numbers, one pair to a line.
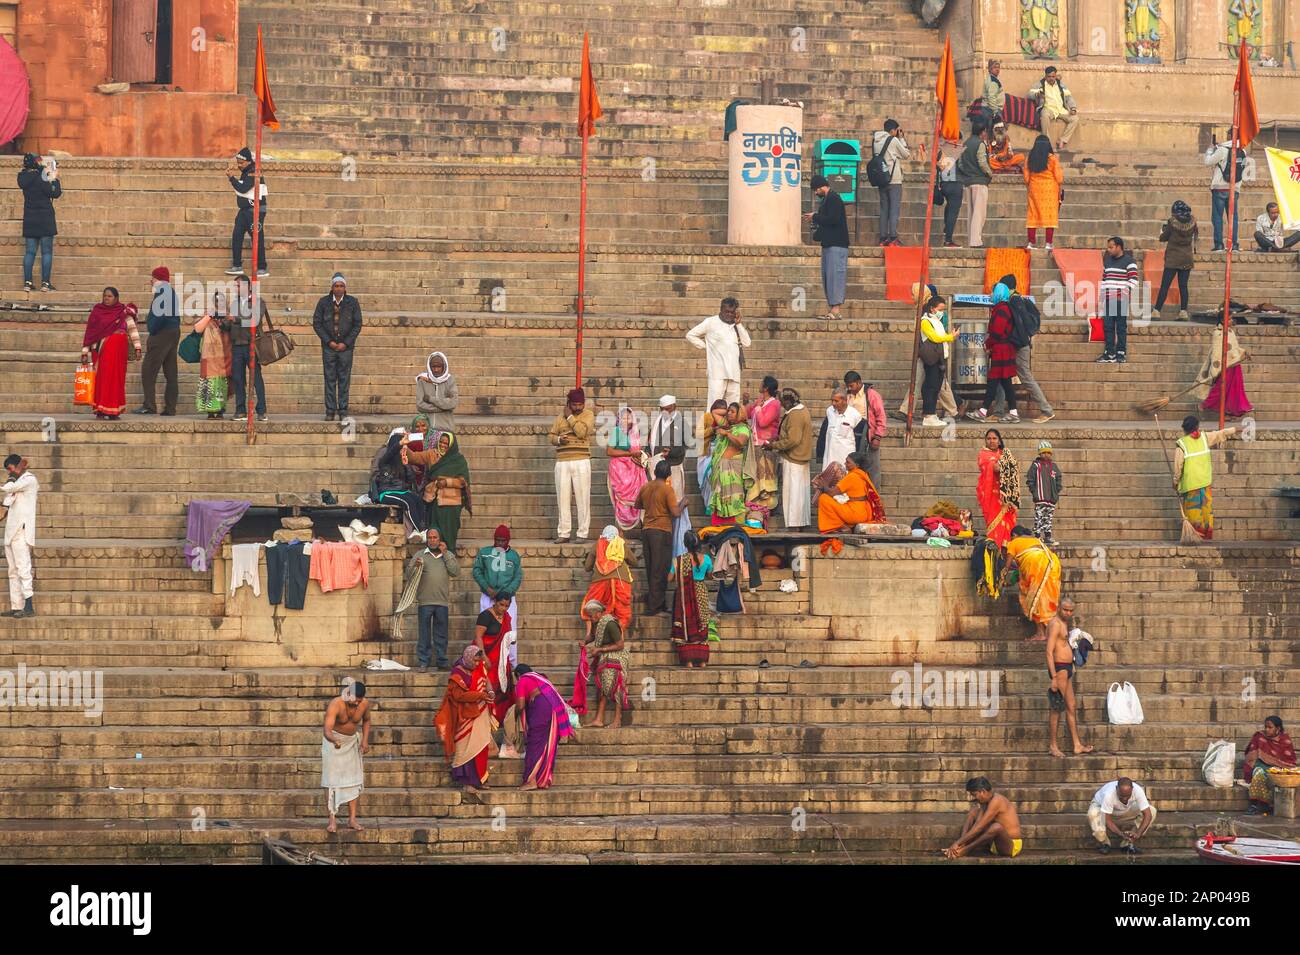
[1096,31]
[1201,28]
[764,190]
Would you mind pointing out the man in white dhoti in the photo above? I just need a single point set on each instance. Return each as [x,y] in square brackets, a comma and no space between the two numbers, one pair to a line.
[668,443]
[794,442]
[722,337]
[341,750]
[20,534]
[837,439]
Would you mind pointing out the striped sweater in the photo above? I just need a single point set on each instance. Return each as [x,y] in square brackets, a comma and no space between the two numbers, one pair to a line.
[1119,277]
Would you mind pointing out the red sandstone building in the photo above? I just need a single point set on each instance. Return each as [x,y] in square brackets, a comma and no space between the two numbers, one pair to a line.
[178,58]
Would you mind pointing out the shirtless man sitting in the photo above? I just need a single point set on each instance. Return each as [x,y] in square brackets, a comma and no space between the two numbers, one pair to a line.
[991,822]
[341,775]
[1060,669]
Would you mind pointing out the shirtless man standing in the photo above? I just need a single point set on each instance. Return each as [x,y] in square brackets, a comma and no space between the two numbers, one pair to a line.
[991,822]
[342,749]
[1060,669]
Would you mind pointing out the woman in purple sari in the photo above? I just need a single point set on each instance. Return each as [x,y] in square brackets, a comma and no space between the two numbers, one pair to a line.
[543,721]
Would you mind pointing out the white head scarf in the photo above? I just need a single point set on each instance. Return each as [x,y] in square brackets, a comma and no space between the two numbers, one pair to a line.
[349,693]
[428,369]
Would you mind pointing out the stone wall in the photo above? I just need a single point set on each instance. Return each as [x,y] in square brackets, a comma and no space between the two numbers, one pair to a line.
[68,51]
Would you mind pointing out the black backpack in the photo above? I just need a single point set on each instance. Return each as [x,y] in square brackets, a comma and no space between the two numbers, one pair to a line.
[879,174]
[1240,169]
[1025,321]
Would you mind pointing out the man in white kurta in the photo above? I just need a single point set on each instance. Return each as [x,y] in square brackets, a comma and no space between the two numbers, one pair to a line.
[837,435]
[20,534]
[722,336]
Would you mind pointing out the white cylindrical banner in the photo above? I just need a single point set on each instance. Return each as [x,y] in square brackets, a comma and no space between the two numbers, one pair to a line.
[764,175]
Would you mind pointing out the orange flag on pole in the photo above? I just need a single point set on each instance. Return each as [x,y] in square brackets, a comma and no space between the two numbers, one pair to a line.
[588,102]
[945,88]
[1248,117]
[262,88]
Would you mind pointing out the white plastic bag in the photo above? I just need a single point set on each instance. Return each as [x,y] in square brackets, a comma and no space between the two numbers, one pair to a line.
[1220,764]
[1122,704]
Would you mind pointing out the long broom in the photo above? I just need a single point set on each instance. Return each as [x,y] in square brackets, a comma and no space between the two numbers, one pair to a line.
[1159,404]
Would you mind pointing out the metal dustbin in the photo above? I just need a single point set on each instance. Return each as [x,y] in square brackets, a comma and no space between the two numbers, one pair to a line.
[838,160]
[969,367]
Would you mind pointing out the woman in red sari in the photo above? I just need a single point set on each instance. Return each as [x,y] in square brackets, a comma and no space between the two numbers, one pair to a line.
[105,343]
[998,490]
[493,632]
[690,630]
[1271,747]
[464,721]
[611,581]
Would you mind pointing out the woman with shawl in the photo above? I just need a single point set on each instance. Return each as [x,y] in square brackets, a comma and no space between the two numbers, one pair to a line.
[446,482]
[108,328]
[1040,578]
[998,490]
[436,394]
[626,474]
[728,479]
[464,721]
[690,632]
[709,424]
[494,634]
[214,361]
[611,582]
[544,721]
[1236,402]
[609,657]
[1269,748]
[392,481]
[1002,357]
[764,417]
[861,504]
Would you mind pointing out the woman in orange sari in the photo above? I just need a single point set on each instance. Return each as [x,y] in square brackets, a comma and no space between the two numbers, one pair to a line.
[1040,578]
[464,721]
[862,507]
[611,583]
[998,490]
[105,344]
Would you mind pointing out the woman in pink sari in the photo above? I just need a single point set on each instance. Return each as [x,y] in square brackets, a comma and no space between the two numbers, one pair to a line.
[1212,377]
[626,469]
[544,721]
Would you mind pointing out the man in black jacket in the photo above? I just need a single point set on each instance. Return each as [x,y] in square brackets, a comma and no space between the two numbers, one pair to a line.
[39,181]
[239,325]
[337,323]
[241,173]
[831,229]
[164,339]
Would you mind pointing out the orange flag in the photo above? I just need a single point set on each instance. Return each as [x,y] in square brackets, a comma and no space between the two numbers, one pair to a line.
[1248,114]
[945,88]
[588,102]
[261,88]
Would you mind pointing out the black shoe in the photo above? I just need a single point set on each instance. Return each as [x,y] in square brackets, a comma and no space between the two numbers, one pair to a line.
[1121,358]
[47,287]
[329,416]
[1217,248]
[1106,359]
[261,416]
[235,270]
[1104,848]
[144,411]
[167,414]
[27,610]
[29,287]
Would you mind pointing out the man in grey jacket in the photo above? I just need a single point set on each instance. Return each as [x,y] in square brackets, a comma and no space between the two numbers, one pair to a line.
[889,144]
[438,565]
[975,174]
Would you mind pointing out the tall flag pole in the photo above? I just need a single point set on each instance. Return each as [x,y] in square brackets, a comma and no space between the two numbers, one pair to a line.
[588,112]
[947,124]
[1245,127]
[265,117]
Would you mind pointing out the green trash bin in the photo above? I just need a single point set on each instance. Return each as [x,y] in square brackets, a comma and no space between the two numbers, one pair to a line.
[838,160]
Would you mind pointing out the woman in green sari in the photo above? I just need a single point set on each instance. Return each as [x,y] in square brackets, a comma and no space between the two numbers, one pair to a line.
[730,475]
[446,482]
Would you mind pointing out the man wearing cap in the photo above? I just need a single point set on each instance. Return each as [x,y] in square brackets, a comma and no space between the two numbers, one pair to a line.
[722,337]
[337,322]
[164,326]
[500,570]
[795,443]
[668,443]
[831,229]
[570,435]
[241,172]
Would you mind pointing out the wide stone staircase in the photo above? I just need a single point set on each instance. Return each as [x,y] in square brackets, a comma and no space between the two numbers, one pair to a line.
[436,172]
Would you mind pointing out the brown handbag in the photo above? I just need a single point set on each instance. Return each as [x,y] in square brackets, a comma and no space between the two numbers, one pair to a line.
[271,345]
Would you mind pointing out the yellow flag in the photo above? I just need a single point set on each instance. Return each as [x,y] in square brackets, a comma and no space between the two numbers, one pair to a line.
[1284,167]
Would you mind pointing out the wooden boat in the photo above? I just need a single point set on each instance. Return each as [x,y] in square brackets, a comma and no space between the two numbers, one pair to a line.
[1246,850]
[284,852]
